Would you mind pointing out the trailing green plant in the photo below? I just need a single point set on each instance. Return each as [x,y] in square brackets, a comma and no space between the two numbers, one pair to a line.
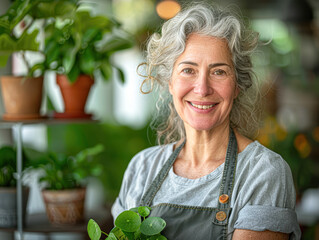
[84,44]
[66,172]
[8,166]
[21,23]
[133,224]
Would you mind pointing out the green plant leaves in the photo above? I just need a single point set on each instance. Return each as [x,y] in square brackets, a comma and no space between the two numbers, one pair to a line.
[152,226]
[74,73]
[144,211]
[121,74]
[94,230]
[111,237]
[4,59]
[106,69]
[61,171]
[85,21]
[115,42]
[8,165]
[53,8]
[88,61]
[27,41]
[118,233]
[84,44]
[128,226]
[128,221]
[156,237]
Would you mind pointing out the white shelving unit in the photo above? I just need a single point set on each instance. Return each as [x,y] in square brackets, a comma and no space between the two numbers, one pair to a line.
[38,223]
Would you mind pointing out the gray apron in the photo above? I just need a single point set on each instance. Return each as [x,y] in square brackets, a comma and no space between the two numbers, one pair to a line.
[193,222]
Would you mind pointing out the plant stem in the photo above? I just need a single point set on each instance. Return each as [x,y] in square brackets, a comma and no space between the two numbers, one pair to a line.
[25,61]
[105,233]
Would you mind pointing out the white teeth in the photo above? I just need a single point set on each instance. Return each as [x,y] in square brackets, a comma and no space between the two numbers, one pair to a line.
[203,106]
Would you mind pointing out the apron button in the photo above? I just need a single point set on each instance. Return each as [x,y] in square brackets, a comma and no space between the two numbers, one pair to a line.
[223,198]
[221,216]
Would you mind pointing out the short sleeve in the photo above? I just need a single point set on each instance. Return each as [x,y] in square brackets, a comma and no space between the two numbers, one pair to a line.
[265,196]
[261,218]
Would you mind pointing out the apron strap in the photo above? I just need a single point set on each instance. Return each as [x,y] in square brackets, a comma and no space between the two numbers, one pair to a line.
[229,172]
[156,184]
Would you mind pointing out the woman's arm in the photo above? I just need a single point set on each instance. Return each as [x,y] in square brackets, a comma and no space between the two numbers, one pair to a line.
[242,234]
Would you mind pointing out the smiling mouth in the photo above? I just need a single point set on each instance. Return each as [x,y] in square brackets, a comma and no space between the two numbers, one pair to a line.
[203,106]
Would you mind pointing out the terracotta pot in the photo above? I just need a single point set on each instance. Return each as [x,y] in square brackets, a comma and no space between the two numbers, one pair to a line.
[8,206]
[75,94]
[64,206]
[22,97]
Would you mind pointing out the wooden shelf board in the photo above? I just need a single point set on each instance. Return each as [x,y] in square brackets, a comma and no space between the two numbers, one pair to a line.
[39,223]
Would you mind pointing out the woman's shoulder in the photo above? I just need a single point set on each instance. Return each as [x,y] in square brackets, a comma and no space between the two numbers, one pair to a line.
[258,163]
[256,155]
[151,157]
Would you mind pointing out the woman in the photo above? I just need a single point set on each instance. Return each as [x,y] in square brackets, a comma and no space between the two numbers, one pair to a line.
[209,180]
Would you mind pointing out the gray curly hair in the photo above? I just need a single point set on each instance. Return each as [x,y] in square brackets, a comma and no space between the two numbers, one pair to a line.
[164,49]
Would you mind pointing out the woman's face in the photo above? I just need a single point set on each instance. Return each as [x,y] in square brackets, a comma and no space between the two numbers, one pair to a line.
[203,83]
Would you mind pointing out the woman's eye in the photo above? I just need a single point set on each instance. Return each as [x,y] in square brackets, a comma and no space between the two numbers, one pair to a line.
[219,72]
[188,70]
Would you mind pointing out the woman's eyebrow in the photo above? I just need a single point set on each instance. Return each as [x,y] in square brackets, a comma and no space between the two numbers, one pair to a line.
[188,62]
[210,65]
[218,64]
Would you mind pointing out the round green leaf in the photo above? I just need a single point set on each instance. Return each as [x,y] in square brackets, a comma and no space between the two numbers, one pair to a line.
[94,230]
[118,233]
[152,226]
[134,209]
[128,221]
[111,237]
[137,234]
[129,235]
[144,211]
[157,237]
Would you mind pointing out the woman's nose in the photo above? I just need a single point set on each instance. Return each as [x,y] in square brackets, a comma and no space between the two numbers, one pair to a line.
[202,86]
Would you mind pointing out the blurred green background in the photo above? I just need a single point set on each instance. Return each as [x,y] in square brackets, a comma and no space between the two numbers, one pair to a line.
[287,65]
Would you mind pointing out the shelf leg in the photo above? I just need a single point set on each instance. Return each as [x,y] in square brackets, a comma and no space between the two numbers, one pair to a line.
[17,131]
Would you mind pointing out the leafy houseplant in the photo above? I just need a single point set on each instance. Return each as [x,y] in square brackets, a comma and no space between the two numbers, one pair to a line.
[129,226]
[82,46]
[8,193]
[67,172]
[19,33]
[64,178]
[7,167]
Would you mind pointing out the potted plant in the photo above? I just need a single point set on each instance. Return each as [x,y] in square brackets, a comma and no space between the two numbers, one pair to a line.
[8,192]
[133,224]
[78,49]
[64,183]
[19,33]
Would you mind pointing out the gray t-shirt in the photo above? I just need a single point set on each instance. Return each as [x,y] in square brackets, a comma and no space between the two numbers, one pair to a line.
[263,197]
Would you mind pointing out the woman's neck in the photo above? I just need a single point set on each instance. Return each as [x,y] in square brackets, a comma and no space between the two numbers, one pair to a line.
[203,146]
[204,151]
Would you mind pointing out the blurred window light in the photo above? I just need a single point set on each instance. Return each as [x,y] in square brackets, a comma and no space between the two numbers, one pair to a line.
[133,14]
[276,32]
[167,9]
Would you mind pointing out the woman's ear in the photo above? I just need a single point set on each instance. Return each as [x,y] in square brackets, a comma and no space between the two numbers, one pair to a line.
[170,87]
[237,91]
